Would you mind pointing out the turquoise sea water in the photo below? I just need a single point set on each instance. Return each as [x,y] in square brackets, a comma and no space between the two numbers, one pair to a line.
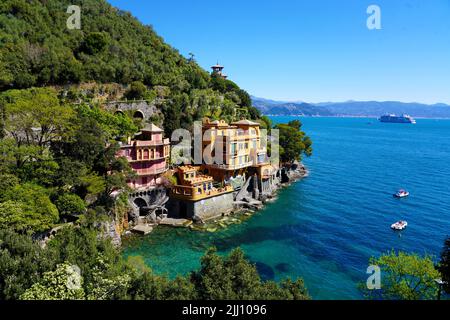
[325,227]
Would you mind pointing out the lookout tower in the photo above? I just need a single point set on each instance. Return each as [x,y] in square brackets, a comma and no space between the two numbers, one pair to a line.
[217,69]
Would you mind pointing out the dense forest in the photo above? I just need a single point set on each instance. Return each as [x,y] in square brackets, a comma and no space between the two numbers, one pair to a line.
[112,46]
[125,60]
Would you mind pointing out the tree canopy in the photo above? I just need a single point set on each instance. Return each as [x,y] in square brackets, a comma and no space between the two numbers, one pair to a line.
[293,142]
[235,278]
[36,48]
[36,116]
[28,208]
[405,277]
[78,264]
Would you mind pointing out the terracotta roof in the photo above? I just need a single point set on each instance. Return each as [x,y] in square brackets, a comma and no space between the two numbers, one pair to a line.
[246,122]
[151,128]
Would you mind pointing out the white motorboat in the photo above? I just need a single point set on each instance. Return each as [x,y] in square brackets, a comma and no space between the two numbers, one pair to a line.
[399,225]
[401,193]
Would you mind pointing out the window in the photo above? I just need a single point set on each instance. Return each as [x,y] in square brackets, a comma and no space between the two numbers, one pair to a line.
[261,158]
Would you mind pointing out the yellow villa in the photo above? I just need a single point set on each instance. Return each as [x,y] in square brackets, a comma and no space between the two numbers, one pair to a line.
[241,147]
[238,162]
[193,185]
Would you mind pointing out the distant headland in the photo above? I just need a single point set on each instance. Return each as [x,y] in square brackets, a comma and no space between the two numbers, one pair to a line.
[350,108]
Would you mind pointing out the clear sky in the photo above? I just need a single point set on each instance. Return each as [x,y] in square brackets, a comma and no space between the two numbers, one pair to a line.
[313,50]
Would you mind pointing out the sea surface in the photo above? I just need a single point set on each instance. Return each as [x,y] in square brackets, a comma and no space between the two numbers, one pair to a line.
[326,227]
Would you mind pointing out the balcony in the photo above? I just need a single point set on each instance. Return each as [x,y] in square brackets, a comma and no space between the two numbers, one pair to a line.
[152,143]
[229,136]
[150,172]
[146,160]
[232,166]
[192,194]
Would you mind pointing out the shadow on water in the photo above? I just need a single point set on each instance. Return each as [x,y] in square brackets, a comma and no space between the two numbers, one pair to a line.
[304,238]
[265,271]
[283,267]
[255,235]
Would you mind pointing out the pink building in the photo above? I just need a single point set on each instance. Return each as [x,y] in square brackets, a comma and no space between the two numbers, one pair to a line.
[148,154]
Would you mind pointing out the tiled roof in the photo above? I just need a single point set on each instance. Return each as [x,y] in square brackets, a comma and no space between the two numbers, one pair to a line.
[246,122]
[151,128]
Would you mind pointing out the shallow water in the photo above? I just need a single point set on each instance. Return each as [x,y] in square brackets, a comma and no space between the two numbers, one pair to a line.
[325,227]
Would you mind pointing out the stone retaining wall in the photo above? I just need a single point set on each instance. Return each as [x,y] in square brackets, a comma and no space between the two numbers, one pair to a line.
[201,210]
[140,109]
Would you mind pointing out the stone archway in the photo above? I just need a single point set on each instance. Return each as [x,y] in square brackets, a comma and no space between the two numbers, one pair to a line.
[145,202]
[140,203]
[138,114]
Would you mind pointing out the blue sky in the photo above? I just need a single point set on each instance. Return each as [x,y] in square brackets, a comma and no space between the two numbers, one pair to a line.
[315,50]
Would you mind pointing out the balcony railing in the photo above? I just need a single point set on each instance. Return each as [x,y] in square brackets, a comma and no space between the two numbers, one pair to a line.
[147,172]
[149,159]
[192,193]
[232,166]
[152,143]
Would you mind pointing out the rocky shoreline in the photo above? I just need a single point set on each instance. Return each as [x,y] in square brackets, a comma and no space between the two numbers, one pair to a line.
[242,211]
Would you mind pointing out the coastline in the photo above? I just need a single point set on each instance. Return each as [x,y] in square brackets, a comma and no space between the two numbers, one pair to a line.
[346,116]
[242,209]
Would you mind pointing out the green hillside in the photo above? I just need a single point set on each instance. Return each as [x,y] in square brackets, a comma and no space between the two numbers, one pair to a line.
[37,49]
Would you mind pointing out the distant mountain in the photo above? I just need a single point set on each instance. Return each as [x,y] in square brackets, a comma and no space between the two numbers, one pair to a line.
[375,109]
[352,108]
[271,107]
